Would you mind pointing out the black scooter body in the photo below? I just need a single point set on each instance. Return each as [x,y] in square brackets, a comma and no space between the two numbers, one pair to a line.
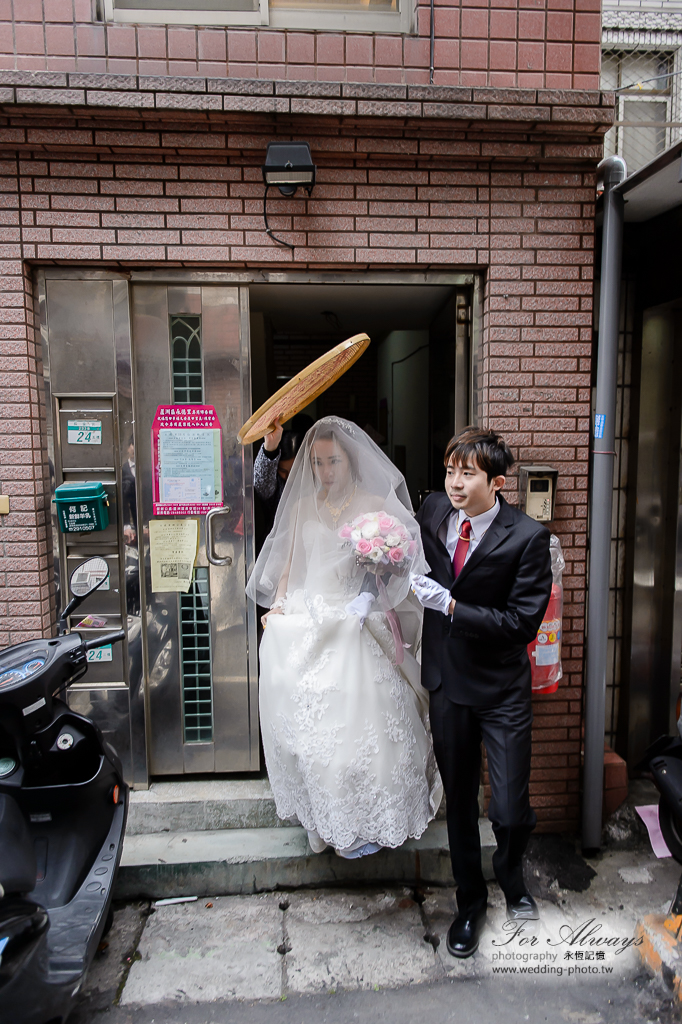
[62,820]
[664,760]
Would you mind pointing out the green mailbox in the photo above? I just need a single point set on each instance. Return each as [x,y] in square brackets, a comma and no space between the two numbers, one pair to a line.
[82,507]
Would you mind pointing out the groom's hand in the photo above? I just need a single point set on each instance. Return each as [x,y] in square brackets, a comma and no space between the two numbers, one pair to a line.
[431,594]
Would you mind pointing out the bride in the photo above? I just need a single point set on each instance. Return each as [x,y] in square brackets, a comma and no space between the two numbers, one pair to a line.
[342,711]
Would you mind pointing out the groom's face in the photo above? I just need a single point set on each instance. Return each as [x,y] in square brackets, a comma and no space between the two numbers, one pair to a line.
[468,487]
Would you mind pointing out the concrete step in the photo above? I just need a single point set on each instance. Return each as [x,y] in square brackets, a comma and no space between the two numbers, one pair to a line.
[191,806]
[234,861]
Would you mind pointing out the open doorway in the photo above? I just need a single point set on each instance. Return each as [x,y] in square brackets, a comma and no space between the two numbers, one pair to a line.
[409,391]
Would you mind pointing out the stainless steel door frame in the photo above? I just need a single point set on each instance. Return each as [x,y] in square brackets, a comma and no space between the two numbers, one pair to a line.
[656,600]
[103,348]
[676,643]
[225,351]
[135,717]
[172,275]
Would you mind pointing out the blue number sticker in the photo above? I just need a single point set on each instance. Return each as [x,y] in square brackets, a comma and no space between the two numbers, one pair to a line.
[599,424]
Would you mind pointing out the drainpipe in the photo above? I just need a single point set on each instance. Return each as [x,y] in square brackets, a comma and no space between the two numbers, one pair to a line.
[614,171]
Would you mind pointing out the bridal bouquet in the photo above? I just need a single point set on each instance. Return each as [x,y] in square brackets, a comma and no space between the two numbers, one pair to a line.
[377,539]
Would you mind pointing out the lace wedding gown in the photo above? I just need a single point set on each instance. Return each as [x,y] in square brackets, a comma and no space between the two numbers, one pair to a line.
[344,727]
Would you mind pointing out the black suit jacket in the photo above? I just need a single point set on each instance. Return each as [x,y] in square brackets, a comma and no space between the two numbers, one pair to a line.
[501,595]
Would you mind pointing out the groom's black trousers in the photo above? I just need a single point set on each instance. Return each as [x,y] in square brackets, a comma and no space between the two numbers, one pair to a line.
[457,732]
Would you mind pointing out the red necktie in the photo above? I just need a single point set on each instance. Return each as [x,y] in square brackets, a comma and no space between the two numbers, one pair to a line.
[462,547]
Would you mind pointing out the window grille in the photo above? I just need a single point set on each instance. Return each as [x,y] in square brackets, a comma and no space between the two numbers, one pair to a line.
[188,383]
[195,645]
[621,494]
[195,619]
[648,115]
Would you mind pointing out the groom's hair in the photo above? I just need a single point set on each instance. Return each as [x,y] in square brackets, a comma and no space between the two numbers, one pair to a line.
[484,448]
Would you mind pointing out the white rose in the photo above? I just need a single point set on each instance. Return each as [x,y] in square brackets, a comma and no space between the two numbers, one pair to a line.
[355,536]
[393,540]
[370,530]
[376,555]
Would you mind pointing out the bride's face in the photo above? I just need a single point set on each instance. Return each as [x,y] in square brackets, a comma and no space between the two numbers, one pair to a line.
[331,465]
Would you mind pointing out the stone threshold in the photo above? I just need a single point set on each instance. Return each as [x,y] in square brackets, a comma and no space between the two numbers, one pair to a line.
[242,861]
[197,806]
[206,805]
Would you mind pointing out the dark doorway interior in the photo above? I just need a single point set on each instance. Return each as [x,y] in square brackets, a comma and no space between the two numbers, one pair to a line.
[406,390]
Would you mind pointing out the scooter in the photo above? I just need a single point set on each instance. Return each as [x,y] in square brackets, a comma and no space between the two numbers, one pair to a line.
[663,760]
[63,809]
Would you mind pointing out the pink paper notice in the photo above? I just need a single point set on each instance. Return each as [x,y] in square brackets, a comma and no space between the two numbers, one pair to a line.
[649,816]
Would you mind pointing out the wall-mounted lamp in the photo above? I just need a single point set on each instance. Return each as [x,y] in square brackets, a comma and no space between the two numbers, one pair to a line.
[288,166]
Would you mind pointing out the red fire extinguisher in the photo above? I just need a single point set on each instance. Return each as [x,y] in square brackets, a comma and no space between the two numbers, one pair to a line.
[545,650]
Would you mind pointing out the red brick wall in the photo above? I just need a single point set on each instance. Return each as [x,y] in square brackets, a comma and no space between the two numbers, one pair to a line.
[536,376]
[95,189]
[527,43]
[26,592]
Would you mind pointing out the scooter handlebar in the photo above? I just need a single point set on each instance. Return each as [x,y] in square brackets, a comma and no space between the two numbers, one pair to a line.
[108,638]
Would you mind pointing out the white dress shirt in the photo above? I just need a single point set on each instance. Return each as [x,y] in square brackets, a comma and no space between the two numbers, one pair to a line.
[479,525]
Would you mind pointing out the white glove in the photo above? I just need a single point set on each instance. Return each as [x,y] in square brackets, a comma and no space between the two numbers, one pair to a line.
[431,594]
[360,606]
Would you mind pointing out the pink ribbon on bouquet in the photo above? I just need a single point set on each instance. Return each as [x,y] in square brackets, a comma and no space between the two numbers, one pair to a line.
[393,621]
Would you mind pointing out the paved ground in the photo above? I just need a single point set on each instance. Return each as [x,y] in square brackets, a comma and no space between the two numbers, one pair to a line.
[379,954]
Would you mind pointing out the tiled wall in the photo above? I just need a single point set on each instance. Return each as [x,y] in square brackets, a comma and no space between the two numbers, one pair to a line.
[527,43]
[101,192]
[26,590]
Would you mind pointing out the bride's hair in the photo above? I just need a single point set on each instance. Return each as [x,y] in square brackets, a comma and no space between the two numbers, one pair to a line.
[328,432]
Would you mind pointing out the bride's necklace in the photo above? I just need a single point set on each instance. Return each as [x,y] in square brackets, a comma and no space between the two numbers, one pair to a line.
[334,512]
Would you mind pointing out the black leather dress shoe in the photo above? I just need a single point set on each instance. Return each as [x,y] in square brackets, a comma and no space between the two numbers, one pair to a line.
[464,933]
[523,909]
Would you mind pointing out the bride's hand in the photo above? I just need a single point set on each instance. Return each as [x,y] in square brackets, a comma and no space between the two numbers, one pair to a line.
[273,611]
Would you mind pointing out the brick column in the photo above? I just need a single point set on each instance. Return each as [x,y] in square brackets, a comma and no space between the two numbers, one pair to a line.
[26,608]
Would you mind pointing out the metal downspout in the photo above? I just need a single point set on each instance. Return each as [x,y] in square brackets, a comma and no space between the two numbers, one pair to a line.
[614,171]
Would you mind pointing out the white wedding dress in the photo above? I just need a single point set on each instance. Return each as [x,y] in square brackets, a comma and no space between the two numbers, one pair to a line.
[344,727]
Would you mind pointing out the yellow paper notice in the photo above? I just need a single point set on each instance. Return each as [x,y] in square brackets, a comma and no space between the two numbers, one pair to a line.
[173,548]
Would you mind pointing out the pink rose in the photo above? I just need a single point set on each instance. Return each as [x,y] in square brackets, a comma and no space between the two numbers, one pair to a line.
[345,532]
[385,523]
[396,554]
[363,547]
[378,542]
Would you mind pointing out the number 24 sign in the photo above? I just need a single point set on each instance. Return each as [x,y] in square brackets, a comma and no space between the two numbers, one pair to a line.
[101,654]
[84,431]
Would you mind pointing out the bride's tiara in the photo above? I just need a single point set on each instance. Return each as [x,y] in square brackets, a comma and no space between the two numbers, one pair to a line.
[348,427]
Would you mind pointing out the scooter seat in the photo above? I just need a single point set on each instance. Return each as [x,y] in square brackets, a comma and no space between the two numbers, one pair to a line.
[18,869]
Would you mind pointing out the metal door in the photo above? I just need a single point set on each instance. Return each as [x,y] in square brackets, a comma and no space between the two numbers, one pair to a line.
[190,345]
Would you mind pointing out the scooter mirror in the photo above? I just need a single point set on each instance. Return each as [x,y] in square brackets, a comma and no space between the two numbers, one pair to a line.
[88,576]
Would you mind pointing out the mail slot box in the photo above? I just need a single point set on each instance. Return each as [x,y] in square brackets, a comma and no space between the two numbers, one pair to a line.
[82,507]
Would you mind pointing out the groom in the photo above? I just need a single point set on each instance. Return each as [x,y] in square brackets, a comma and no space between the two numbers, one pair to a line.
[489,586]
